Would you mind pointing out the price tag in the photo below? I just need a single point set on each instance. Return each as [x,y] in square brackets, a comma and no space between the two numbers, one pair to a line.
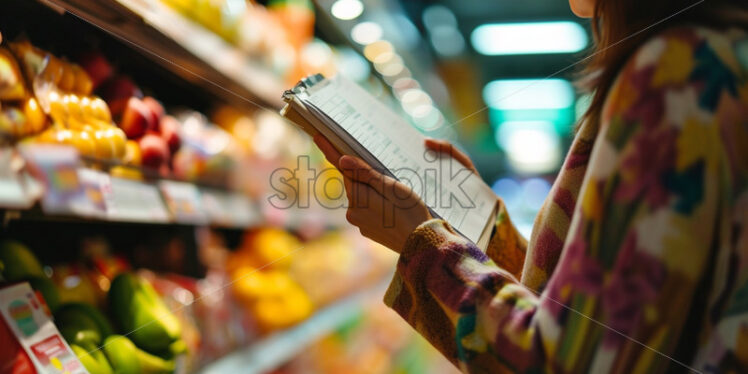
[128,200]
[184,202]
[93,183]
[229,208]
[25,316]
[57,169]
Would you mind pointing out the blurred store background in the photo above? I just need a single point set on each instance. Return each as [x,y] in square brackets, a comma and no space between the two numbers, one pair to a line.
[171,107]
[497,77]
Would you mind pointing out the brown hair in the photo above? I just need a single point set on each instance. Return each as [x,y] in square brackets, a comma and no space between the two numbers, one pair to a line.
[620,26]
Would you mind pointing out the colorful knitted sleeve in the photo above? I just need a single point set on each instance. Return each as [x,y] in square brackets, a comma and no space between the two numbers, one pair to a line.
[507,247]
[641,238]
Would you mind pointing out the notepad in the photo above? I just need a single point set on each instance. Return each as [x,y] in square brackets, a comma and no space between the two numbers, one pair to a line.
[358,124]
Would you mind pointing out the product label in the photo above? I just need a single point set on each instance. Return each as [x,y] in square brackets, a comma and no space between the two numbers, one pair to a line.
[128,200]
[184,202]
[92,183]
[230,209]
[33,328]
[57,169]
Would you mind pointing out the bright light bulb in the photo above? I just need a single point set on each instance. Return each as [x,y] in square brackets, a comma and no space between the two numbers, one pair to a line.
[523,94]
[347,9]
[366,33]
[529,38]
[531,146]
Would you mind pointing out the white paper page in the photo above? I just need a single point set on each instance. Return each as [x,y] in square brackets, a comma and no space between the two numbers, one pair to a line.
[449,189]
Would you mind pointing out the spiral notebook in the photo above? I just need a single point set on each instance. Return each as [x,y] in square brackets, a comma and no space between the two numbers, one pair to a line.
[358,124]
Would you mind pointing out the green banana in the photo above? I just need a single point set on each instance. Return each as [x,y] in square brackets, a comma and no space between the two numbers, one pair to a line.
[150,364]
[84,316]
[94,360]
[80,337]
[138,309]
[126,358]
[122,354]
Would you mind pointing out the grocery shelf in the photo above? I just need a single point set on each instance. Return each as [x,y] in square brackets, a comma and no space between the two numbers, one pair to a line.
[274,350]
[182,46]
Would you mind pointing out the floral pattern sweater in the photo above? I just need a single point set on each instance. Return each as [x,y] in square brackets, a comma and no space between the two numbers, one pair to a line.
[638,262]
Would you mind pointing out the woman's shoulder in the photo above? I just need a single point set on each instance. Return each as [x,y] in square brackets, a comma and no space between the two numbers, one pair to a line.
[682,54]
[695,61]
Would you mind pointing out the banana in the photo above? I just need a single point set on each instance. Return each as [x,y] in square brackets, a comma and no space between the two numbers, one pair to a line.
[137,308]
[85,316]
[126,358]
[150,364]
[80,337]
[122,354]
[94,360]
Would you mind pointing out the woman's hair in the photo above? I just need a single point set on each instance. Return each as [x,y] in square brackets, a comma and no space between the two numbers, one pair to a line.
[620,26]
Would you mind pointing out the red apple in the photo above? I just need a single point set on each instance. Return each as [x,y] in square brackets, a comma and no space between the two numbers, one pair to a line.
[170,132]
[136,118]
[154,150]
[121,87]
[157,111]
[117,107]
[97,67]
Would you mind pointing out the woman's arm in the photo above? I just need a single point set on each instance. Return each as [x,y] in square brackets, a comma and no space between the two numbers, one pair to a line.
[639,244]
[507,247]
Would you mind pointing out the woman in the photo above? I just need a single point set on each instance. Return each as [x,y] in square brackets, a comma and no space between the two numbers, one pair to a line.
[638,261]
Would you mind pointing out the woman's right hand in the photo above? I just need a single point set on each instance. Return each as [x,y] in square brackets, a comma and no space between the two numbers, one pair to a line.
[443,146]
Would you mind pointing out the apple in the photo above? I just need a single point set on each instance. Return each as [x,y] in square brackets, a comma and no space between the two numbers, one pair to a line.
[121,87]
[136,118]
[153,151]
[170,132]
[97,67]
[157,111]
[117,107]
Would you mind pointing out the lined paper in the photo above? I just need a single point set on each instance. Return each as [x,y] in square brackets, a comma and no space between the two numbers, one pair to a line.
[390,144]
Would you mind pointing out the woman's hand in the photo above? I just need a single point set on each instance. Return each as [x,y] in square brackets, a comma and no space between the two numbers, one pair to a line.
[383,209]
[443,146]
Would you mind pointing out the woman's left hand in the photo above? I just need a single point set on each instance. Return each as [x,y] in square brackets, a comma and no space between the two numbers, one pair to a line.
[383,209]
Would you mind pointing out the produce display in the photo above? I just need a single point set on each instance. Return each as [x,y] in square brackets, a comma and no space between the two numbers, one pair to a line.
[278,36]
[151,338]
[63,91]
[167,306]
[122,321]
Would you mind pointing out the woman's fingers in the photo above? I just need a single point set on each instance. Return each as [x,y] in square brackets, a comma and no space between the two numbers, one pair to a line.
[443,146]
[331,154]
[360,171]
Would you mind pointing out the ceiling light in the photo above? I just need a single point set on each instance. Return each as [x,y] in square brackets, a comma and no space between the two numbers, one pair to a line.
[380,52]
[522,94]
[347,9]
[529,38]
[532,146]
[366,33]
